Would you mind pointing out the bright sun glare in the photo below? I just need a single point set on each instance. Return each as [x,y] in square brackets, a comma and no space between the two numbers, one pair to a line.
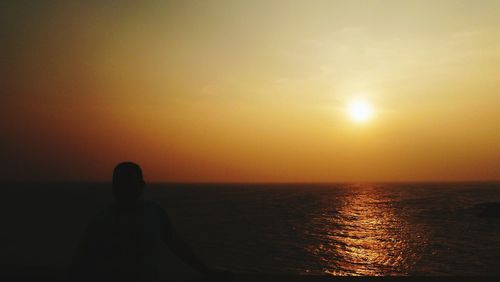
[360,111]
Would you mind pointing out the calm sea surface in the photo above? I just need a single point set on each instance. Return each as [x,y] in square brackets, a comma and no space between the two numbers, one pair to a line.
[337,229]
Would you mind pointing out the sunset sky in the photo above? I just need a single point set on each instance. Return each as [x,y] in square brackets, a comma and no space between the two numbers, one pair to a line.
[237,91]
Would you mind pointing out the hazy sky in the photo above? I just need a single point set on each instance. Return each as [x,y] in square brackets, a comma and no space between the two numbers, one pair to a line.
[250,90]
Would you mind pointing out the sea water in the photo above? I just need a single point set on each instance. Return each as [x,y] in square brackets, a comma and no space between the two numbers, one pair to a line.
[333,229]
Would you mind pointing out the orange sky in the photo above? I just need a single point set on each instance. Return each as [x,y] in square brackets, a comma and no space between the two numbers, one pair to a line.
[251,90]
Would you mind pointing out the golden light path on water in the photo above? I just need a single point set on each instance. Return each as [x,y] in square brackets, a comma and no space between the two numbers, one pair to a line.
[365,236]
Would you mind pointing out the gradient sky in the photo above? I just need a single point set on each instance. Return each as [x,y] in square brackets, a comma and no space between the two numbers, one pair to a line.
[250,90]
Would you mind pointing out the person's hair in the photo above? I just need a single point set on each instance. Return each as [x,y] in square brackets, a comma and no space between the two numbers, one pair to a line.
[127,172]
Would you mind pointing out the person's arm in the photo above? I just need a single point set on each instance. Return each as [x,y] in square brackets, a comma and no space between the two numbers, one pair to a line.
[181,249]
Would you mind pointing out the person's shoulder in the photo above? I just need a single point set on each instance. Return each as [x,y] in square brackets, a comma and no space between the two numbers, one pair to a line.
[155,210]
[100,221]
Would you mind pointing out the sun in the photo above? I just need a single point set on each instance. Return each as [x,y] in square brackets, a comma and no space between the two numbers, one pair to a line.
[360,111]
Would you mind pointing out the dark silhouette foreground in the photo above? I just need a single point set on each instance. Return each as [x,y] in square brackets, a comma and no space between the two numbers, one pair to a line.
[122,243]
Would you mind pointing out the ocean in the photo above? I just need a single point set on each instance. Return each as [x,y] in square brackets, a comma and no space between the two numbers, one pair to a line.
[333,229]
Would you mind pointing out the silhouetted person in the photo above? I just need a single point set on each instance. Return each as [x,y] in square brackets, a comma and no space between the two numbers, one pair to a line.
[123,241]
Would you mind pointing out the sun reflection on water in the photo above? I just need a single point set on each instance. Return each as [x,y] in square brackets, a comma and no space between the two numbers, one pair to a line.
[364,236]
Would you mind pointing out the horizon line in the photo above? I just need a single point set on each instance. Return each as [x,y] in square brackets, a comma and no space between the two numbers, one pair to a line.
[261,182]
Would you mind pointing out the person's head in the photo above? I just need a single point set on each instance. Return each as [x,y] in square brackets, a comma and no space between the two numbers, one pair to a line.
[127,183]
